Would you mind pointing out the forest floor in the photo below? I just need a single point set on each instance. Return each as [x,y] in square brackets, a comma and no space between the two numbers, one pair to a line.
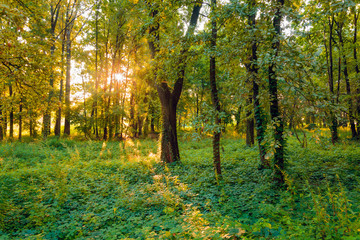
[66,189]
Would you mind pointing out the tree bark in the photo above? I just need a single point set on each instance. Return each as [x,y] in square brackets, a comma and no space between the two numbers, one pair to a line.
[11,115]
[250,138]
[95,107]
[1,123]
[61,91]
[259,116]
[68,76]
[334,124]
[106,100]
[279,157]
[214,93]
[169,143]
[20,118]
[357,73]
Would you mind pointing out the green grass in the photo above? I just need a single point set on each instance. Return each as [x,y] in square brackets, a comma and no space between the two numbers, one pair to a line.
[66,189]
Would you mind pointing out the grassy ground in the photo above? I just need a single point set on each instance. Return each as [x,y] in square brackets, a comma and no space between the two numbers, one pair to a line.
[66,189]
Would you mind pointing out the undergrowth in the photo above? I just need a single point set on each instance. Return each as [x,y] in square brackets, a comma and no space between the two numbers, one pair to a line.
[67,189]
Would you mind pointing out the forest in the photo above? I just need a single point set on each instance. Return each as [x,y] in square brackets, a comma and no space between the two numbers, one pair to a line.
[168,119]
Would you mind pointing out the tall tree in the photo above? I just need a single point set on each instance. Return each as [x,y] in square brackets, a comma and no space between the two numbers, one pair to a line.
[279,154]
[253,72]
[334,123]
[169,98]
[214,91]
[54,15]
[357,71]
[340,25]
[70,17]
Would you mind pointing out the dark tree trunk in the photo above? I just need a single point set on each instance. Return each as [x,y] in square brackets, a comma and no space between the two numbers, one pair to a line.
[57,130]
[5,123]
[140,126]
[95,106]
[106,86]
[279,156]
[84,102]
[1,124]
[259,116]
[250,138]
[339,80]
[68,76]
[169,143]
[214,93]
[11,115]
[133,126]
[20,118]
[357,73]
[334,123]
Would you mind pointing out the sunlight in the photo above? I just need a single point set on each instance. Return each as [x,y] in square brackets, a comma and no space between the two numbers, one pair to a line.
[120,77]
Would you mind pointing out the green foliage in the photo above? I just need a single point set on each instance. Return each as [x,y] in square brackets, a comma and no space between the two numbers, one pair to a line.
[66,189]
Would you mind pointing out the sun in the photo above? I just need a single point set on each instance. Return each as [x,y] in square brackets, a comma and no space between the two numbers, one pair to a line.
[120,78]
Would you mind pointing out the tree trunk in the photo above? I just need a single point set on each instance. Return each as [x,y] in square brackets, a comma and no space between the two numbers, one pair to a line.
[249,126]
[106,100]
[339,80]
[68,76]
[334,124]
[132,121]
[47,116]
[61,91]
[169,143]
[11,115]
[1,123]
[279,158]
[5,122]
[20,119]
[140,126]
[95,107]
[357,74]
[214,93]
[259,116]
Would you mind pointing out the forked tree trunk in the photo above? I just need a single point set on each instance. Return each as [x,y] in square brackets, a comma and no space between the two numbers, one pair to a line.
[169,100]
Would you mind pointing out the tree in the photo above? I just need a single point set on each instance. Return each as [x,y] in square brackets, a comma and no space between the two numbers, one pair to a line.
[214,91]
[170,98]
[279,154]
